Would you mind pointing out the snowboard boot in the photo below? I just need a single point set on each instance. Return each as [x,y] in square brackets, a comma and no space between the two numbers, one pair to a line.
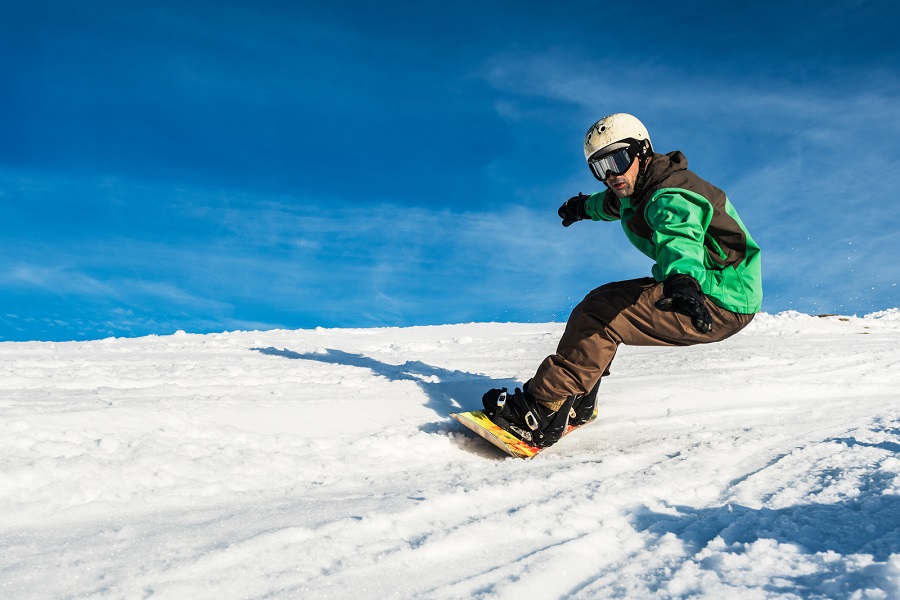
[524,417]
[583,407]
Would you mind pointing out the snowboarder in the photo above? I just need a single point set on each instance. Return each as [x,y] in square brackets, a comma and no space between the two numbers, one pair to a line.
[706,283]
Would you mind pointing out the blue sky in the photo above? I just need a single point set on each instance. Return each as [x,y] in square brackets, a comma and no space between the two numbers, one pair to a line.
[212,166]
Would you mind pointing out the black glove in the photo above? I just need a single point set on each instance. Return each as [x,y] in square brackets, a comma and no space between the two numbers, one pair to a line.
[681,294]
[572,209]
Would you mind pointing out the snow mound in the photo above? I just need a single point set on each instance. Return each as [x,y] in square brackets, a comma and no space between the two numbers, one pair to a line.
[323,464]
[892,314]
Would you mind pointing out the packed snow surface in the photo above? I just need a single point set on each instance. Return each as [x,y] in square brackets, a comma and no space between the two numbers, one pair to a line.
[323,464]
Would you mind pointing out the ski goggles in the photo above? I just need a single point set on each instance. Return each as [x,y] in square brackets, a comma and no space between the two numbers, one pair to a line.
[615,163]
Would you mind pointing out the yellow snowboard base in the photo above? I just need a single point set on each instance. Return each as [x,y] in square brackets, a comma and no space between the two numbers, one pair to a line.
[478,422]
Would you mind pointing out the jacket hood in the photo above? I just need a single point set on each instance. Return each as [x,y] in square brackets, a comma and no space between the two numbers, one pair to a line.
[662,166]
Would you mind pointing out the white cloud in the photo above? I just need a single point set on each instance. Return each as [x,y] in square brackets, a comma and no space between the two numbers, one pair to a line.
[55,279]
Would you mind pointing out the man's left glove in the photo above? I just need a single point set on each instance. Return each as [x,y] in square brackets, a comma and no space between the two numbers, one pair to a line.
[573,210]
[681,293]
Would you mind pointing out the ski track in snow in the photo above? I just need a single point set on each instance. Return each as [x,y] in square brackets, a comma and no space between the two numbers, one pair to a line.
[323,464]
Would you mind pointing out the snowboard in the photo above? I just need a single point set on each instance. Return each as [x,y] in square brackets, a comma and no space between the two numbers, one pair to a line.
[479,422]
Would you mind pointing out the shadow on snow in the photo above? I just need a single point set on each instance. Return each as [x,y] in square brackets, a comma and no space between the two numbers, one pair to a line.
[447,391]
[868,523]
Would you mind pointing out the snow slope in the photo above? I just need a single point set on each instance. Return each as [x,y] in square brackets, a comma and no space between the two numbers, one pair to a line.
[322,464]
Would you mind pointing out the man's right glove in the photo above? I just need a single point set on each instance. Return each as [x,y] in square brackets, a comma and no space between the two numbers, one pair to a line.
[681,293]
[573,210]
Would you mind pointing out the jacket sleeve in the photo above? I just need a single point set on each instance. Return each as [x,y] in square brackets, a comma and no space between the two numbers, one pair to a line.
[679,220]
[602,207]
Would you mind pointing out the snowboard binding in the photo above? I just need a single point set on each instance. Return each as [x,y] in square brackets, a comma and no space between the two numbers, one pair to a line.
[523,416]
[583,408]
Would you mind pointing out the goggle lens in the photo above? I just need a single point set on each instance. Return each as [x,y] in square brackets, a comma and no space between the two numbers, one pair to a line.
[616,163]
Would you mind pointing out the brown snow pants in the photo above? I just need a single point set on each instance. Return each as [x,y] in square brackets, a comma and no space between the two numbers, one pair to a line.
[613,314]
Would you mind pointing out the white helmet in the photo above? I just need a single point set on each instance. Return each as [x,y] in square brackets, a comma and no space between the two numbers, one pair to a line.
[613,132]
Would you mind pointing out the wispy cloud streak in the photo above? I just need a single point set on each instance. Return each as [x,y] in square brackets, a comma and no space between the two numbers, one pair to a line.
[810,166]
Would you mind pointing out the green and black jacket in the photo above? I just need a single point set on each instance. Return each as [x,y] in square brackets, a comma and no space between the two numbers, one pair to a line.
[688,226]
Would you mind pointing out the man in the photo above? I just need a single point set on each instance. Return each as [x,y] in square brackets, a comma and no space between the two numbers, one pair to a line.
[706,283]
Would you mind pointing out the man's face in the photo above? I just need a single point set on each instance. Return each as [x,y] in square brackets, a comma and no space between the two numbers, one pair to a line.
[623,185]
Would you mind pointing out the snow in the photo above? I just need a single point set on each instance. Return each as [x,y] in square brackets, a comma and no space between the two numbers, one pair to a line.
[323,464]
